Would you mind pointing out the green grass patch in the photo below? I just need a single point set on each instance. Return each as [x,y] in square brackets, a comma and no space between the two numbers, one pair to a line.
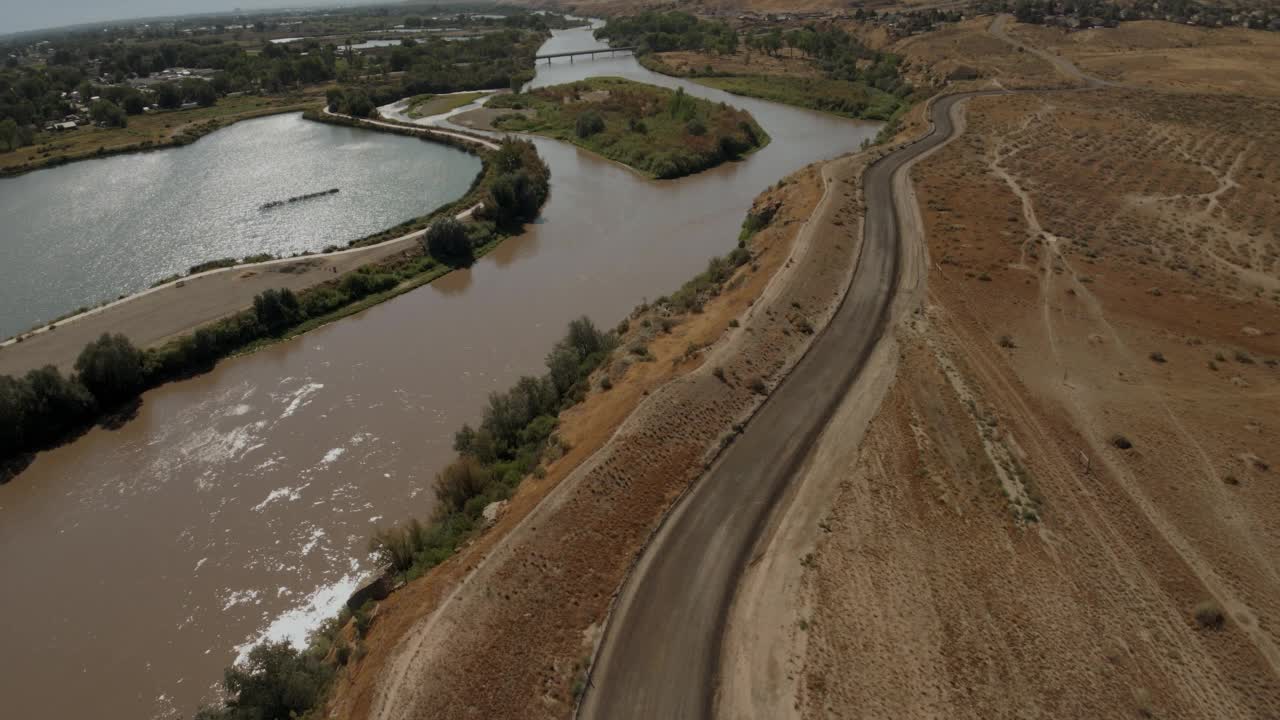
[656,131]
[839,97]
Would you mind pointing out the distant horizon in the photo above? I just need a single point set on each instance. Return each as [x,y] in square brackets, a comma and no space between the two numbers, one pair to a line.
[62,14]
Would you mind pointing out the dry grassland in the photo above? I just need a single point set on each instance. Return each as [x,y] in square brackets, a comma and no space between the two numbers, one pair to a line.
[933,57]
[1068,505]
[1166,56]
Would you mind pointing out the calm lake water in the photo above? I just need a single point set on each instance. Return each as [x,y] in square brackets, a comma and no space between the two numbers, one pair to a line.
[238,504]
[93,230]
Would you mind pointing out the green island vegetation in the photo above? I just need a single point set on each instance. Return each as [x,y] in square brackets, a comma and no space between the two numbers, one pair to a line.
[849,79]
[93,91]
[45,408]
[515,439]
[658,132]
[427,105]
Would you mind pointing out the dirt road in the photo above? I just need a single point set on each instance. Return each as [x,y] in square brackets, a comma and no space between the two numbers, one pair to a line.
[1059,63]
[661,653]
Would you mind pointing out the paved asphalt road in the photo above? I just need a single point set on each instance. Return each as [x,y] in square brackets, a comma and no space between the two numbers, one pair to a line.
[661,651]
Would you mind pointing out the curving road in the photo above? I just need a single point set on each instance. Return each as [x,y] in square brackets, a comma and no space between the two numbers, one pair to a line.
[661,650]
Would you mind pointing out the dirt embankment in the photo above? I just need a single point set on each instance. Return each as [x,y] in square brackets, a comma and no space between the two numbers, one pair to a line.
[510,636]
[151,318]
[1067,505]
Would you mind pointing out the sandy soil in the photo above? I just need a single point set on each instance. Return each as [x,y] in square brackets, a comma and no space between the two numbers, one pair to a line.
[484,117]
[933,58]
[1076,454]
[1167,56]
[564,545]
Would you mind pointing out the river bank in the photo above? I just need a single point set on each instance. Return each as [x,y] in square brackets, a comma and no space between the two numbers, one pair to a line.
[676,391]
[156,131]
[251,490]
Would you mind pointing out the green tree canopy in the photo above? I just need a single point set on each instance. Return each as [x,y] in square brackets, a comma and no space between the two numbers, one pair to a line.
[111,369]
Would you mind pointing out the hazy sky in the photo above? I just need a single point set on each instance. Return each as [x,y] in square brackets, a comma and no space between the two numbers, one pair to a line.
[22,15]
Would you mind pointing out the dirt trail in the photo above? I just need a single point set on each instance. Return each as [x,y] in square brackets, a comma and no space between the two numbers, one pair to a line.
[1061,64]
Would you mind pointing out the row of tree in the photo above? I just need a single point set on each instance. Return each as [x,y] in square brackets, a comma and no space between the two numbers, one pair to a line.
[32,96]
[280,681]
[45,407]
[841,55]
[666,31]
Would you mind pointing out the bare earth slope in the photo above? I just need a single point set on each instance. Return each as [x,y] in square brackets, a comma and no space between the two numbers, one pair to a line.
[1067,505]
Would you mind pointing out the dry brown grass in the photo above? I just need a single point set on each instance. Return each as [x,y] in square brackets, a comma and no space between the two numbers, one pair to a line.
[933,57]
[1094,228]
[1168,56]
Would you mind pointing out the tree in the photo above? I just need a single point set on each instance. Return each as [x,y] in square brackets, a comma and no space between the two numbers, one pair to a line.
[15,403]
[773,41]
[586,338]
[199,92]
[460,481]
[563,364]
[105,112]
[8,134]
[133,103]
[276,310]
[334,98]
[515,198]
[111,369]
[447,241]
[358,104]
[400,59]
[167,95]
[589,123]
[57,405]
[276,681]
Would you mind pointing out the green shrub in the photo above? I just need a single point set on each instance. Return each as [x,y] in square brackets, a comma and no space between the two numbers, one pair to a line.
[277,310]
[589,123]
[111,369]
[460,481]
[276,681]
[447,241]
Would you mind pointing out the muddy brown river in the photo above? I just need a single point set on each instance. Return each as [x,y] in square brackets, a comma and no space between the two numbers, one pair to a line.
[138,562]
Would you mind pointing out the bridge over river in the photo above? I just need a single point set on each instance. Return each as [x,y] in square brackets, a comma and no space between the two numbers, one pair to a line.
[611,50]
